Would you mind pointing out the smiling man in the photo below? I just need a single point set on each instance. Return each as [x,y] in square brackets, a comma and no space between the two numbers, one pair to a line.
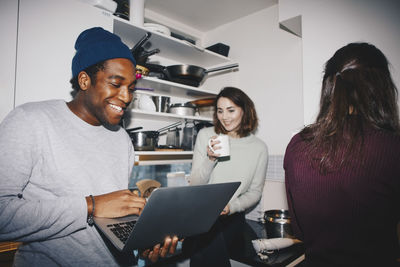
[63,163]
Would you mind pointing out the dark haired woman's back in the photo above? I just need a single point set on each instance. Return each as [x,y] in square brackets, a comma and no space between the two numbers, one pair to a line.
[348,216]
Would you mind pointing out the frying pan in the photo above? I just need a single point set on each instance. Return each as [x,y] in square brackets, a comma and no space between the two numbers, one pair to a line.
[186,74]
[190,74]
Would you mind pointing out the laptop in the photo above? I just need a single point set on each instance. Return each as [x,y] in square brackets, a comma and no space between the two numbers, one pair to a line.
[182,211]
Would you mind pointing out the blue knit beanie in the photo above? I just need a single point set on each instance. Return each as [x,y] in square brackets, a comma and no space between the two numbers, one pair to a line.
[95,45]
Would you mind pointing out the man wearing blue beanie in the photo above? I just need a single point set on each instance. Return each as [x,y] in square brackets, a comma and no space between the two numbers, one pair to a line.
[63,163]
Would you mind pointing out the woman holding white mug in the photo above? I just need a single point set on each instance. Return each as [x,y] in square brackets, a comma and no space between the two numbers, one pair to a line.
[243,158]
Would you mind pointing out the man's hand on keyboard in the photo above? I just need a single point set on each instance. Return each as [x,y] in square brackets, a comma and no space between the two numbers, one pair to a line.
[118,204]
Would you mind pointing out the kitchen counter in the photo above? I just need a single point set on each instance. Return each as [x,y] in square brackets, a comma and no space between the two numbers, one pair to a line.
[285,257]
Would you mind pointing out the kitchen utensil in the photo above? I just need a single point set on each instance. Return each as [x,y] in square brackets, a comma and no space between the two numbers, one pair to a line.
[147,140]
[122,9]
[171,126]
[140,43]
[143,55]
[133,129]
[202,124]
[173,137]
[205,102]
[206,111]
[140,54]
[190,74]
[188,136]
[277,223]
[144,140]
[205,106]
[183,109]
[186,74]
[161,102]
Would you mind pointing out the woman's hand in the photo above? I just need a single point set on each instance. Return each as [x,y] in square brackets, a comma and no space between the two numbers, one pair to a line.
[225,211]
[169,247]
[116,204]
[214,144]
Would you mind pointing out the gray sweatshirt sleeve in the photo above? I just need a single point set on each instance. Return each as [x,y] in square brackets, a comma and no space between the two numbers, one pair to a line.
[24,220]
[202,166]
[254,192]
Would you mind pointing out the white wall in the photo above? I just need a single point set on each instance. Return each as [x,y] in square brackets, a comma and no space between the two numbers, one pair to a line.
[8,46]
[270,73]
[328,25]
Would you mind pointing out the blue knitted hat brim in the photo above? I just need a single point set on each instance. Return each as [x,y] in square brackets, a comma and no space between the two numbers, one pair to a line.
[96,45]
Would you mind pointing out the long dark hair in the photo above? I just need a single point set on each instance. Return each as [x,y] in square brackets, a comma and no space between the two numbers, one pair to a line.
[249,120]
[357,91]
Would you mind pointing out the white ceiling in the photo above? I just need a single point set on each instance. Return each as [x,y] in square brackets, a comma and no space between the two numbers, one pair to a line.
[205,15]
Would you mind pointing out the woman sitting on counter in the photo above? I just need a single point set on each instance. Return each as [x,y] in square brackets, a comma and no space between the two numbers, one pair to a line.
[343,171]
[236,118]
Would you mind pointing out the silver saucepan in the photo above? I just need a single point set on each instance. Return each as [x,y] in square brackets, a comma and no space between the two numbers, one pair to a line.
[147,140]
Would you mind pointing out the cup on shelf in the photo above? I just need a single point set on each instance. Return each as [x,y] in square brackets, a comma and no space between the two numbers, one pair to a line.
[161,103]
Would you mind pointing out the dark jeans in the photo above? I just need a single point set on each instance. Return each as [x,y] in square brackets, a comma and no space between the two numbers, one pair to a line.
[216,247]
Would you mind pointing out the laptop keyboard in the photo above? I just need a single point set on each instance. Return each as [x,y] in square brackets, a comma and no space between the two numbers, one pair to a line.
[122,230]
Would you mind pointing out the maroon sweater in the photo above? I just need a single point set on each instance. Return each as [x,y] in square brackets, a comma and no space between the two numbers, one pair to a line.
[347,217]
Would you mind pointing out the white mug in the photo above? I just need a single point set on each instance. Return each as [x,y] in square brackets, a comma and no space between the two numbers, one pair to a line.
[224,149]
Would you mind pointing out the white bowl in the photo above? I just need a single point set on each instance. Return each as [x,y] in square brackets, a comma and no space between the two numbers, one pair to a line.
[157,28]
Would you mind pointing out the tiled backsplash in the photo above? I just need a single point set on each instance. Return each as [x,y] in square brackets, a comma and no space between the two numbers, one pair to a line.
[275,168]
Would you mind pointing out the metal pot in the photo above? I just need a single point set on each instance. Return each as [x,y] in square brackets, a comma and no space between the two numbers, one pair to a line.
[144,140]
[206,111]
[183,109]
[162,103]
[277,223]
[147,140]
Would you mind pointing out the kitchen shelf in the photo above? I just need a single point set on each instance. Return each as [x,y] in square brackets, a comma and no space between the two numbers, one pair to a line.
[170,47]
[162,157]
[151,115]
[178,51]
[167,88]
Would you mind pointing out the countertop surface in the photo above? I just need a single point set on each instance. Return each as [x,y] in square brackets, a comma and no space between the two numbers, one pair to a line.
[282,257]
[254,230]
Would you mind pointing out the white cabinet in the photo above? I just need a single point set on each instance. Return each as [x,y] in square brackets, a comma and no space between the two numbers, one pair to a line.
[47,30]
